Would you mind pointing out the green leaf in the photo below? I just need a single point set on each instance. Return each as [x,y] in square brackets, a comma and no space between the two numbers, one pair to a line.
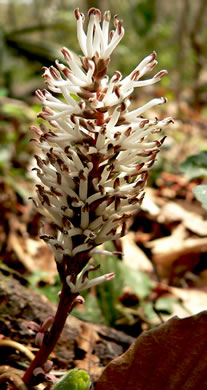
[139,282]
[195,165]
[201,194]
[50,291]
[108,293]
[74,380]
[165,304]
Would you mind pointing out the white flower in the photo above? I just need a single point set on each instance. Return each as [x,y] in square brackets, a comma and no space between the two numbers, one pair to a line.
[96,41]
[96,153]
[83,282]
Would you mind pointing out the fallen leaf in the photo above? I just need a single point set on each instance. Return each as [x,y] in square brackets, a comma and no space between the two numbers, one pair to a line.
[33,254]
[85,345]
[171,356]
[133,256]
[178,251]
[149,202]
[172,211]
[193,300]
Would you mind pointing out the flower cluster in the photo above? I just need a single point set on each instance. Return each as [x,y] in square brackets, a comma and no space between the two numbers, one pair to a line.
[95,152]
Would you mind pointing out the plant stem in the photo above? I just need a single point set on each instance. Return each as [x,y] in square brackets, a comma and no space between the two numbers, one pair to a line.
[64,307]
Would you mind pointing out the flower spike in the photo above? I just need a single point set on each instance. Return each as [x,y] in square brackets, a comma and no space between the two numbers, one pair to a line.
[95,152]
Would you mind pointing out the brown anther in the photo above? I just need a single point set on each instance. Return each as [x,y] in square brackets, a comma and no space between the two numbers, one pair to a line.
[123,107]
[54,191]
[153,56]
[135,75]
[47,110]
[117,148]
[118,76]
[116,183]
[152,65]
[93,268]
[143,123]
[65,168]
[101,189]
[90,124]
[77,13]
[111,232]
[60,162]
[110,200]
[42,115]
[95,12]
[58,246]
[45,237]
[123,229]
[51,158]
[116,21]
[119,27]
[141,198]
[117,203]
[66,221]
[34,140]
[66,149]
[33,200]
[117,91]
[43,128]
[84,94]
[59,178]
[133,201]
[128,132]
[46,200]
[117,135]
[81,175]
[75,200]
[139,166]
[92,11]
[160,74]
[111,34]
[39,161]
[66,54]
[85,208]
[40,189]
[127,179]
[39,94]
[54,72]
[51,134]
[63,68]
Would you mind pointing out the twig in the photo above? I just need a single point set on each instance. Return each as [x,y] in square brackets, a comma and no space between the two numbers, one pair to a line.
[21,348]
[12,377]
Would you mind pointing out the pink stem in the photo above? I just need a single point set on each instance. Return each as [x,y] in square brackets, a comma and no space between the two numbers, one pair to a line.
[64,308]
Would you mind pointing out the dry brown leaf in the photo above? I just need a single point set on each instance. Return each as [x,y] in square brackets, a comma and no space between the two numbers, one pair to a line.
[174,242]
[193,300]
[85,344]
[133,256]
[176,248]
[33,254]
[149,202]
[172,211]
[87,338]
[171,356]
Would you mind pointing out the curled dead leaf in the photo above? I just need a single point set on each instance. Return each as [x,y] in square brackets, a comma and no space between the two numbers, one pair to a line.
[171,356]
